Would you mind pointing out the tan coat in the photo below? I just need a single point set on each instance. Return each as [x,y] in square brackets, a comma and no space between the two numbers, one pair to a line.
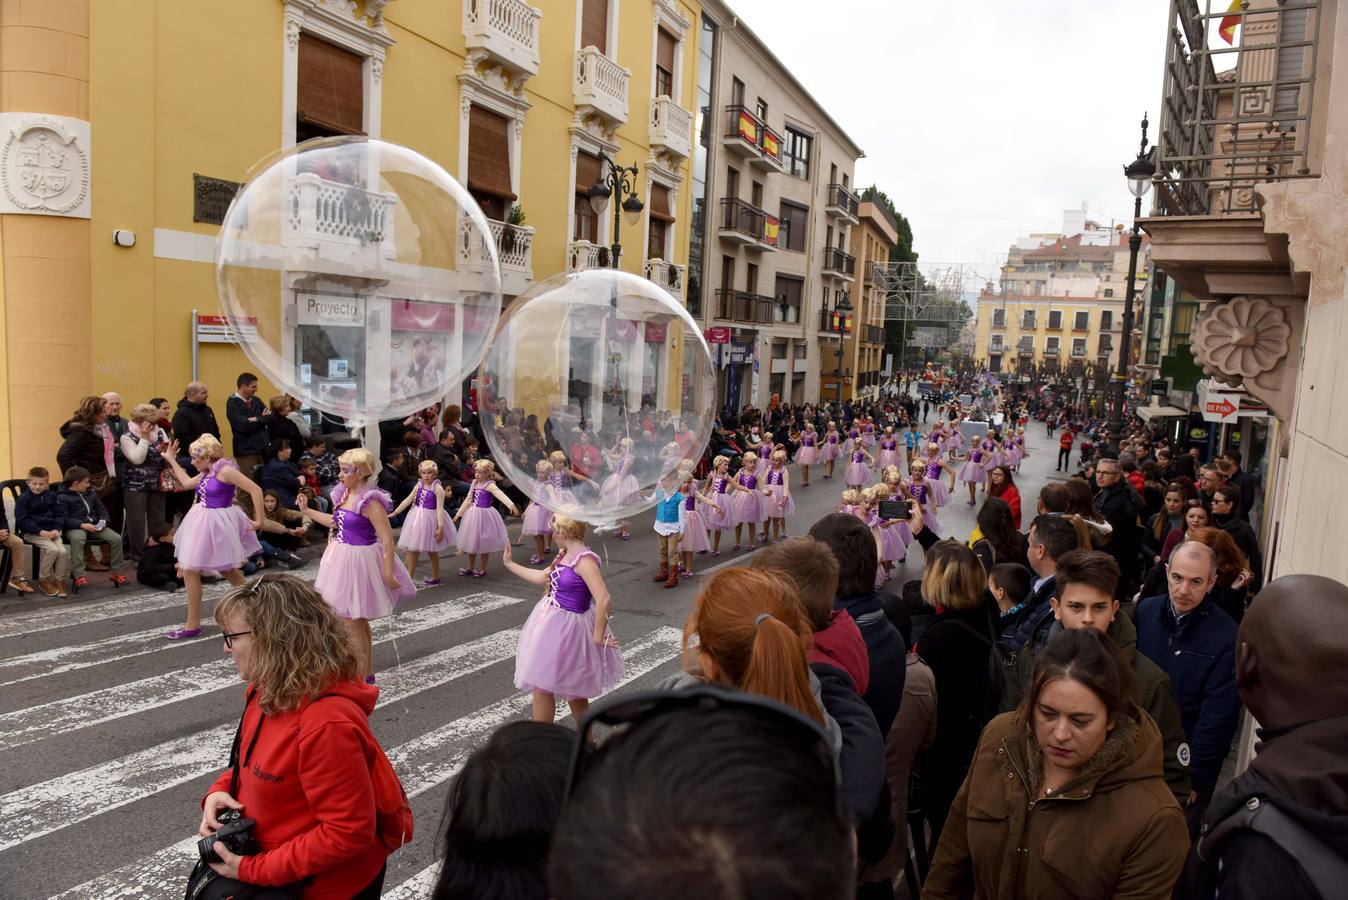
[1113,832]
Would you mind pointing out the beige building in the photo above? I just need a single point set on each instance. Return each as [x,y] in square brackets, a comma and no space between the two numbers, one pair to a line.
[773,216]
[864,328]
[1253,226]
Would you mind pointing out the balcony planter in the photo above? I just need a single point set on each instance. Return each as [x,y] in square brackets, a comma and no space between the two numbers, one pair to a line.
[509,236]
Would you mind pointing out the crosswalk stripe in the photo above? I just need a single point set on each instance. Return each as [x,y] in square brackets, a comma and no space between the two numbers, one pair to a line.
[164,871]
[68,616]
[74,797]
[418,887]
[35,723]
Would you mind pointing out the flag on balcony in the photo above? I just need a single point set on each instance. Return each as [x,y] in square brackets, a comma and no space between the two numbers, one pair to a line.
[770,145]
[1227,28]
[771,226]
[748,127]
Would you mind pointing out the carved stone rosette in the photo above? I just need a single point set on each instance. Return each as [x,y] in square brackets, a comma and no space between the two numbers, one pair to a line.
[1254,343]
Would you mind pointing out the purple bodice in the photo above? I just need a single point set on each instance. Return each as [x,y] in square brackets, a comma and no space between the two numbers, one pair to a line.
[858,456]
[833,437]
[975,456]
[854,434]
[719,483]
[988,446]
[690,503]
[749,481]
[870,429]
[919,492]
[481,497]
[425,498]
[350,527]
[567,589]
[214,493]
[889,444]
[933,470]
[807,440]
[776,476]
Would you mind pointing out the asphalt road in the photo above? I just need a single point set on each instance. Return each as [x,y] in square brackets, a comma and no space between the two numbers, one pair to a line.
[109,734]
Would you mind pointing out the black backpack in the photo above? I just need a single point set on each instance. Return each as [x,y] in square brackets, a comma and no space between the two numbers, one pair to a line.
[1001,662]
[1319,863]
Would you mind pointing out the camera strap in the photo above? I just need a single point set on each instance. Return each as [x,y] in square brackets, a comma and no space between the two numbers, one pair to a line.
[234,761]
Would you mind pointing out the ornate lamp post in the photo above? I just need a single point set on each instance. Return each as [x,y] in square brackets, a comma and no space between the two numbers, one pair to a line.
[1139,173]
[622,182]
[841,307]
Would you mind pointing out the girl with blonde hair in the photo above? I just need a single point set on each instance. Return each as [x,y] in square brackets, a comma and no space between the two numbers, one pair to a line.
[748,505]
[777,504]
[483,531]
[215,535]
[537,516]
[360,575]
[427,529]
[722,489]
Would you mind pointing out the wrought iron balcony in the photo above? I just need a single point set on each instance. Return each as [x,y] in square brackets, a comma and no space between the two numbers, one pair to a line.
[601,85]
[505,32]
[838,264]
[743,306]
[840,202]
[741,221]
[514,249]
[749,136]
[1222,133]
[671,128]
[830,321]
[670,276]
[1025,347]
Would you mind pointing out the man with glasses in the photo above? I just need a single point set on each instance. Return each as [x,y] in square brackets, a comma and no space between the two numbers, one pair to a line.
[1209,479]
[1116,503]
[1226,516]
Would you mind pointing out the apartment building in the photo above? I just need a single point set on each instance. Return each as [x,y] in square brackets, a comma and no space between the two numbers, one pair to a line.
[863,330]
[773,217]
[518,100]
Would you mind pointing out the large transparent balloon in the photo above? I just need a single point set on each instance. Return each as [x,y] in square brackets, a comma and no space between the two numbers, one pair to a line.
[612,370]
[362,277]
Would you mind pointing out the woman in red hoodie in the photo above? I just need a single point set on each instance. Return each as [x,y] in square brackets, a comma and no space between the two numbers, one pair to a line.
[305,747]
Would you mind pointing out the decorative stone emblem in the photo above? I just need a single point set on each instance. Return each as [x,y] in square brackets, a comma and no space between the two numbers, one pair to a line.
[1243,338]
[44,165]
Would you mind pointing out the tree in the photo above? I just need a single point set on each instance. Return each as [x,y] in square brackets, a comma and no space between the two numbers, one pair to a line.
[896,330]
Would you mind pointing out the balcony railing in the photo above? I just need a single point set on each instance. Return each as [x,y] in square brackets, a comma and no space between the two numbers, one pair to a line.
[671,127]
[838,264]
[828,321]
[505,30]
[839,201]
[670,276]
[1224,132]
[742,221]
[1027,322]
[749,136]
[514,249]
[340,222]
[1025,348]
[742,306]
[873,334]
[581,255]
[1079,352]
[996,347]
[1052,350]
[601,85]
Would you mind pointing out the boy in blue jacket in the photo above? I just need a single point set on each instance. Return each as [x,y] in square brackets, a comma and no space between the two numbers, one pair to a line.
[86,518]
[39,518]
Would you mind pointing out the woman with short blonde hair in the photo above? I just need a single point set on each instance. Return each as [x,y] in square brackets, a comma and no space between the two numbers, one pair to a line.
[143,492]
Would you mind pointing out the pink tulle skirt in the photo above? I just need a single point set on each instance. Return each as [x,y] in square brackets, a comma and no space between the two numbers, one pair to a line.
[619,490]
[830,452]
[929,520]
[351,579]
[773,507]
[536,519]
[215,540]
[904,533]
[939,492]
[747,507]
[694,533]
[973,473]
[482,530]
[725,517]
[955,441]
[857,473]
[887,458]
[557,654]
[1014,456]
[892,548]
[419,532]
[807,456]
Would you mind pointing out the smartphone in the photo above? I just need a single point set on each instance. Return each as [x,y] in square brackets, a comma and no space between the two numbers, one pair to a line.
[893,509]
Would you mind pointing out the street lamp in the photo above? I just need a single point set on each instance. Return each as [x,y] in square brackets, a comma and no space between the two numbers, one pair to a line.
[1139,173]
[621,181]
[841,307]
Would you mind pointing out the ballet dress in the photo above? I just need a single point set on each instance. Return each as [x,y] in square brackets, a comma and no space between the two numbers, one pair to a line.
[557,653]
[972,472]
[889,453]
[562,497]
[773,505]
[892,547]
[940,493]
[1016,453]
[351,572]
[694,527]
[482,530]
[215,535]
[808,454]
[923,497]
[831,449]
[537,517]
[955,441]
[868,436]
[748,504]
[725,518]
[857,471]
[620,488]
[852,443]
[418,532]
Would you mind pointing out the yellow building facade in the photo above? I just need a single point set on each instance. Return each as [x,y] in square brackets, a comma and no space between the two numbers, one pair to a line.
[155,111]
[1016,332]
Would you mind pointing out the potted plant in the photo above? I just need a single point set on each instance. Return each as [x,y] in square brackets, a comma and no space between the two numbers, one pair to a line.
[508,236]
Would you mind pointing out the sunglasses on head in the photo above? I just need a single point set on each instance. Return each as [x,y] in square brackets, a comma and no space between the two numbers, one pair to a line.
[630,711]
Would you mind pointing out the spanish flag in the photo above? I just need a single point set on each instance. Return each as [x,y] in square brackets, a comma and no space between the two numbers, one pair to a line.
[1227,28]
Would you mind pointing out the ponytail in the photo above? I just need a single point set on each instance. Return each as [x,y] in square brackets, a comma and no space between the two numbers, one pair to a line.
[779,670]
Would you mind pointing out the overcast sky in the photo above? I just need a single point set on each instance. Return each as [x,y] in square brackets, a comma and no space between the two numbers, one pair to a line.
[981,120]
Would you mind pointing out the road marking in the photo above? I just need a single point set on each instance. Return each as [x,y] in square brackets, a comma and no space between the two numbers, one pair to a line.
[75,797]
[35,723]
[73,614]
[161,873]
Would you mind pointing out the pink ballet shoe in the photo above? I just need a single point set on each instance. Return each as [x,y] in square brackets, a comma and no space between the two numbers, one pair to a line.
[535,559]
[734,548]
[182,634]
[431,582]
[716,553]
[465,571]
[480,573]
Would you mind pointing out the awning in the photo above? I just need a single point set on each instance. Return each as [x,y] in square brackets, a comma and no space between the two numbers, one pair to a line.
[1147,413]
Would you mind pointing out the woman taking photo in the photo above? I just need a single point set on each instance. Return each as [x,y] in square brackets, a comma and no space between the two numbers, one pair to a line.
[1079,759]
[305,749]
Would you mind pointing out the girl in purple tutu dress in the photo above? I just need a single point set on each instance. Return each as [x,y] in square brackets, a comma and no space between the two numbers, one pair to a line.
[936,467]
[777,502]
[566,648]
[973,472]
[765,451]
[832,448]
[722,489]
[215,535]
[427,528]
[851,500]
[920,488]
[868,433]
[853,442]
[360,575]
[808,454]
[483,531]
[694,519]
[989,448]
[889,450]
[747,505]
[538,517]
[858,471]
[892,547]
[955,442]
[621,487]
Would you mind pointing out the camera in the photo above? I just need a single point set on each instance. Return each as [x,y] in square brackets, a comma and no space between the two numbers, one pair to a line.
[893,509]
[235,832]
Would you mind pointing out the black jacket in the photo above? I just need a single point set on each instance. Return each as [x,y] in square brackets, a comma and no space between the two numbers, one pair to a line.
[79,509]
[1243,534]
[279,428]
[281,476]
[1118,507]
[82,446]
[191,421]
[250,438]
[888,657]
[863,750]
[157,565]
[1035,609]
[38,512]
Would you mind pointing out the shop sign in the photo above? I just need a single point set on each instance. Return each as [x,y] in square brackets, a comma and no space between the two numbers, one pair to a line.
[718,334]
[226,329]
[320,309]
